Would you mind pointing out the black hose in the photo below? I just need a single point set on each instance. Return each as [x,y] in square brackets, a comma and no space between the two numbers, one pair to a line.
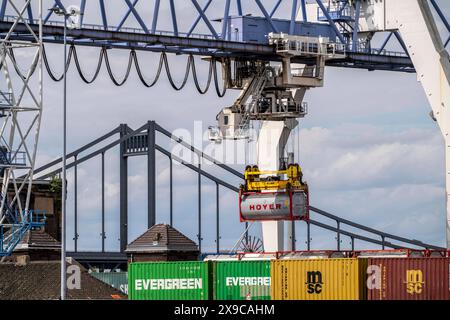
[103,56]
[111,74]
[194,75]
[140,74]
[49,70]
[169,75]
[216,82]
[80,71]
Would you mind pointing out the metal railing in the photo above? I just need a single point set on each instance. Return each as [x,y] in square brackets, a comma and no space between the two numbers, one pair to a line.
[336,12]
[5,99]
[297,108]
[12,158]
[364,48]
[309,47]
[12,234]
[9,18]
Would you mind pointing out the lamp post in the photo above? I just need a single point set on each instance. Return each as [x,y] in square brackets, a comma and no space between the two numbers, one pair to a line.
[74,13]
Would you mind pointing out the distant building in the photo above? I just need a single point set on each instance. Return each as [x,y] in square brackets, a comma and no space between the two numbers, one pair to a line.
[162,243]
[33,270]
[45,197]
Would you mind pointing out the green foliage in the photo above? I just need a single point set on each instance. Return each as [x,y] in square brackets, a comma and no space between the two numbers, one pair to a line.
[56,184]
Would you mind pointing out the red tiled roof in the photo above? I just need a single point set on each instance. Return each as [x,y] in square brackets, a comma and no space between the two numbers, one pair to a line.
[162,237]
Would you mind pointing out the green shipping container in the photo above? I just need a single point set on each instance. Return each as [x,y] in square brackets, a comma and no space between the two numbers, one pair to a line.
[242,280]
[169,280]
[118,280]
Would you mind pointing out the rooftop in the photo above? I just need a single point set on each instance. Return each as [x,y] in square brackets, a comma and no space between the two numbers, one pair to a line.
[41,281]
[160,238]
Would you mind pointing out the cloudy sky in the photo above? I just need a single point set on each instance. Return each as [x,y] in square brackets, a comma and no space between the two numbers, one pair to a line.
[368,148]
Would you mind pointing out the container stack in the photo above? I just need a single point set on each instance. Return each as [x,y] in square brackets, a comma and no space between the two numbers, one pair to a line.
[318,279]
[408,279]
[186,280]
[308,278]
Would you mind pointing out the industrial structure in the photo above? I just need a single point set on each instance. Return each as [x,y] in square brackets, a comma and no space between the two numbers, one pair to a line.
[315,34]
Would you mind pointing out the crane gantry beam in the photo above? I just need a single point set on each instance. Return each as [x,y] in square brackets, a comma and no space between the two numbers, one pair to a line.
[233,34]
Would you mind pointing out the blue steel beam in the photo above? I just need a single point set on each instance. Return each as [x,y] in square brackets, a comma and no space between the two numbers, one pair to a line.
[385,42]
[29,12]
[275,8]
[155,15]
[201,45]
[136,15]
[103,12]
[304,13]
[441,14]
[128,36]
[125,38]
[331,22]
[344,6]
[174,17]
[57,3]
[125,17]
[356,25]
[3,9]
[205,19]
[293,16]
[239,7]
[82,10]
[447,42]
[226,15]
[199,17]
[402,43]
[267,16]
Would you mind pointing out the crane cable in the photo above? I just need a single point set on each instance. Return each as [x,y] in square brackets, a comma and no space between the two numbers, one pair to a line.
[133,59]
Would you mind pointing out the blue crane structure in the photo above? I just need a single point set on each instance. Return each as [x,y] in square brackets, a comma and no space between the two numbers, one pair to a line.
[224,30]
[237,33]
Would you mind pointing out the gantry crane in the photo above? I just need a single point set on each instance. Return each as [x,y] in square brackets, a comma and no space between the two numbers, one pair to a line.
[326,32]
[275,97]
[274,190]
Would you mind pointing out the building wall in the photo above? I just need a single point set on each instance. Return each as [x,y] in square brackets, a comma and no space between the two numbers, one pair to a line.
[45,196]
[171,256]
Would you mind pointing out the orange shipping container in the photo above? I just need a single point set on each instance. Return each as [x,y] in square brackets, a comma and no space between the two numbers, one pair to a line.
[318,279]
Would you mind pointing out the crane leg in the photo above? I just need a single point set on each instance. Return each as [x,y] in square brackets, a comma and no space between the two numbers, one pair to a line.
[414,21]
[272,140]
[447,187]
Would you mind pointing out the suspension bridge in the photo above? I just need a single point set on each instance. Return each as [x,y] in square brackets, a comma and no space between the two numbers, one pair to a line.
[230,41]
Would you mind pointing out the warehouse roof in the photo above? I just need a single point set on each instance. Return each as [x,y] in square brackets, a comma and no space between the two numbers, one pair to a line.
[161,237]
[41,281]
